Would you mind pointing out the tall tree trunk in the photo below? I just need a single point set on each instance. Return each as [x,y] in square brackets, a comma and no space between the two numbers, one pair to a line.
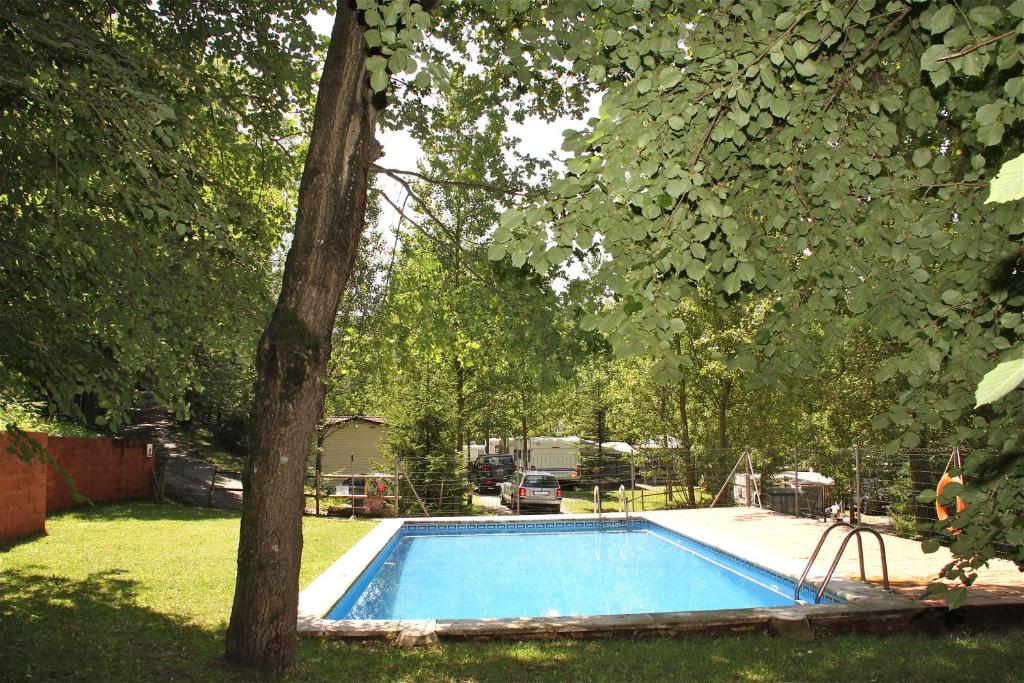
[668,467]
[526,440]
[294,350]
[684,436]
[723,409]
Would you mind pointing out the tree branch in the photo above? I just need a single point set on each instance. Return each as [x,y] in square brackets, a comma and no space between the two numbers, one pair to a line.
[862,56]
[434,238]
[394,173]
[969,50]
[721,107]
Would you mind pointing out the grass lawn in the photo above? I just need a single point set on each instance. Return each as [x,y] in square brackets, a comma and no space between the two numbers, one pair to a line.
[143,592]
[654,498]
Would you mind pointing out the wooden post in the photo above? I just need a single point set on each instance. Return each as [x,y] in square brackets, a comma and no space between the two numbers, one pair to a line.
[316,479]
[213,481]
[727,480]
[394,487]
[750,468]
[796,489]
[415,494]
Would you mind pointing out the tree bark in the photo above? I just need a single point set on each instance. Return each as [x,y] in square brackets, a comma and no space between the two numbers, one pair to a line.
[294,351]
[689,466]
[684,434]
[723,409]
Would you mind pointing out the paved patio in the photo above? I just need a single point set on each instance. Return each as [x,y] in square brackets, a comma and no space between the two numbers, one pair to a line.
[780,540]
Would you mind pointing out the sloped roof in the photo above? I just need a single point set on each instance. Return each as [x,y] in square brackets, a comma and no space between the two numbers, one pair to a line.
[342,419]
[659,442]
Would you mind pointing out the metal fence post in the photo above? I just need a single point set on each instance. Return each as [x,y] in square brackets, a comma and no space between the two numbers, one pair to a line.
[796,490]
[855,513]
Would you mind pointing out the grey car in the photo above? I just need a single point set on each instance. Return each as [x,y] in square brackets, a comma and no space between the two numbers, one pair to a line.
[532,490]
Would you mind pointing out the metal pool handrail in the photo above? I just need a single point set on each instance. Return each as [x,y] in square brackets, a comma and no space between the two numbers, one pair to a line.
[597,504]
[622,500]
[855,531]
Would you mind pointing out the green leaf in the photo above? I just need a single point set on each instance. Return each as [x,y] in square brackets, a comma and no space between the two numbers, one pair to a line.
[379,80]
[986,15]
[992,134]
[930,58]
[745,271]
[784,20]
[780,106]
[941,20]
[956,596]
[987,114]
[1001,380]
[612,37]
[929,545]
[1008,185]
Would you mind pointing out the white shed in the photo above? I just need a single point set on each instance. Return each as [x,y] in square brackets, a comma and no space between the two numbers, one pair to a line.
[351,444]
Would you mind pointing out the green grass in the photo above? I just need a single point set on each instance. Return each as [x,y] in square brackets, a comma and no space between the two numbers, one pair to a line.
[143,592]
[654,498]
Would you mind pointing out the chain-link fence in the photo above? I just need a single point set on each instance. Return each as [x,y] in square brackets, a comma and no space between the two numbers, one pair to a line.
[871,486]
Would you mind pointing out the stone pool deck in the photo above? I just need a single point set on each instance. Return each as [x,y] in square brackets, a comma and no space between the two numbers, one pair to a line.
[778,542]
[773,539]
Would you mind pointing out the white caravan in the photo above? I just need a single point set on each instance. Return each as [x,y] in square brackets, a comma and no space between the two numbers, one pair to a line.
[559,455]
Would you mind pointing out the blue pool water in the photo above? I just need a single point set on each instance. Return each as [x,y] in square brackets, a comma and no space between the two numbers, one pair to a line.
[540,569]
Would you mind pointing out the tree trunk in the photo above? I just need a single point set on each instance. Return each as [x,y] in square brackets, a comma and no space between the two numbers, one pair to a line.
[668,456]
[684,437]
[723,408]
[526,444]
[294,350]
[460,407]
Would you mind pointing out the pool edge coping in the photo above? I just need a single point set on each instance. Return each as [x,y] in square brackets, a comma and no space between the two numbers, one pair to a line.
[317,599]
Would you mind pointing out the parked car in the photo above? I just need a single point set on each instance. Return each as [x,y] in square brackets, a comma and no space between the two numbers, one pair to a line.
[488,471]
[532,489]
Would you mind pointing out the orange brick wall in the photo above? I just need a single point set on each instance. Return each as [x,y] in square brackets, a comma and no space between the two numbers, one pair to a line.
[103,470]
[22,493]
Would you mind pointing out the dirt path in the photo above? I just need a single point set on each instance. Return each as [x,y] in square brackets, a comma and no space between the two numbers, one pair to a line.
[187,477]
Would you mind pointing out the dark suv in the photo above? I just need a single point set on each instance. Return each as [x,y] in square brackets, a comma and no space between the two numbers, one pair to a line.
[488,471]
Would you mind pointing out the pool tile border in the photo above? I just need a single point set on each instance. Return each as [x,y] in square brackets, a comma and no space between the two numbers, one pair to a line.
[863,602]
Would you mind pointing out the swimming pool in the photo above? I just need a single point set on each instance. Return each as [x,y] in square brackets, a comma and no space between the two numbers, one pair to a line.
[573,568]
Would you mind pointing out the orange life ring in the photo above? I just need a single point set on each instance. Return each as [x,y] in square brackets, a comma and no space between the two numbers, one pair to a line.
[941,510]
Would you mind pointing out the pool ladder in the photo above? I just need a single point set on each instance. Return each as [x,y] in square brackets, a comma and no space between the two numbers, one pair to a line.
[854,531]
[599,508]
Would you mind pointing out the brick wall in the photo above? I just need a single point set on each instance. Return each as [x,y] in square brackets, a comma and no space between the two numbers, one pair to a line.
[22,493]
[103,470]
